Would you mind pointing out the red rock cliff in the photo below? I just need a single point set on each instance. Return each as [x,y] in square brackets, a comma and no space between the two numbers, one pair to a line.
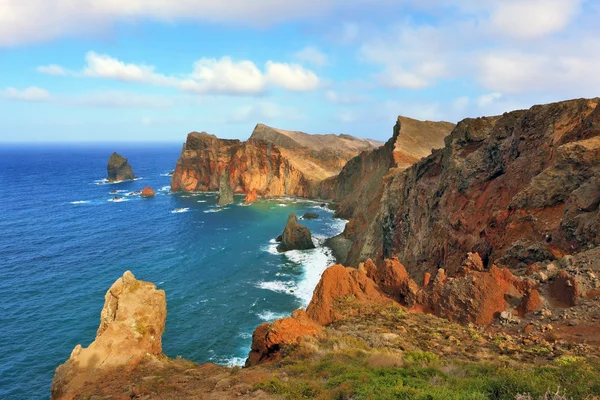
[519,188]
[272,162]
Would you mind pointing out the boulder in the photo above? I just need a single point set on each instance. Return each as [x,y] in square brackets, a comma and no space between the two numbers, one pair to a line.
[132,322]
[147,192]
[118,168]
[338,283]
[225,191]
[310,215]
[294,236]
[269,338]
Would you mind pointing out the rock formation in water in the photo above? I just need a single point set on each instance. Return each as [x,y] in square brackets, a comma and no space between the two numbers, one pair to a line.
[118,168]
[225,191]
[251,197]
[132,322]
[147,192]
[294,236]
[272,162]
[310,215]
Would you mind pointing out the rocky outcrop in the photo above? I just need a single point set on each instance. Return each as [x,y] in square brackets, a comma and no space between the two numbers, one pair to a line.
[225,191]
[294,236]
[338,283]
[270,338]
[118,168]
[519,188]
[147,192]
[310,215]
[272,162]
[132,322]
[251,197]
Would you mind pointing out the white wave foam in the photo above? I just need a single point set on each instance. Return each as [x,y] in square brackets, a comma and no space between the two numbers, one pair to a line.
[80,202]
[235,362]
[119,200]
[273,241]
[107,182]
[314,263]
[180,210]
[277,286]
[271,316]
[271,248]
[245,335]
[201,201]
[325,209]
[164,189]
[213,210]
[282,205]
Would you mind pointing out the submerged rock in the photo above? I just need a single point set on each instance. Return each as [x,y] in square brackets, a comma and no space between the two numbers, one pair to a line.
[118,168]
[225,191]
[294,236]
[147,192]
[310,215]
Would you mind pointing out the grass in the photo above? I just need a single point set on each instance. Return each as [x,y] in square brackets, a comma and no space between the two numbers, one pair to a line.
[424,376]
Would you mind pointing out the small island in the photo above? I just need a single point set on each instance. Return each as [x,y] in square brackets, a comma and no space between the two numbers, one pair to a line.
[118,168]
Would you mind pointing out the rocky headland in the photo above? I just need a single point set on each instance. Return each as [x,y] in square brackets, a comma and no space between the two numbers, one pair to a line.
[473,272]
[119,169]
[271,163]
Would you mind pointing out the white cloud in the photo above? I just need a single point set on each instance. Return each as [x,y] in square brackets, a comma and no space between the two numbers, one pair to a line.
[487,99]
[344,98]
[291,76]
[52,69]
[27,21]
[412,57]
[31,94]
[225,76]
[530,19]
[209,76]
[312,55]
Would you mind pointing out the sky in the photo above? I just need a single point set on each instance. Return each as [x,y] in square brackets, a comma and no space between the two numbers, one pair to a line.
[154,70]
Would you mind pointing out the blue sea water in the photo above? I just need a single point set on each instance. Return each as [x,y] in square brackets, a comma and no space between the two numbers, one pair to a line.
[63,242]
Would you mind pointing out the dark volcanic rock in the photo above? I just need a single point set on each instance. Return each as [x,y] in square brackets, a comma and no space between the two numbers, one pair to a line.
[310,215]
[225,191]
[294,236]
[118,168]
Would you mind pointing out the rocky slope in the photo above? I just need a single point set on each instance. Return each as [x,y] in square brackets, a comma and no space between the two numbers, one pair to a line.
[358,188]
[271,162]
[518,189]
[118,168]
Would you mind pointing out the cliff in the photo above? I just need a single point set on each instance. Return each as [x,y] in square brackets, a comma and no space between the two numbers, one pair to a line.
[272,162]
[518,189]
[358,188]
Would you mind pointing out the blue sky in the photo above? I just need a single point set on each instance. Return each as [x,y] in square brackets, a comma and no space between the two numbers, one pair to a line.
[154,70]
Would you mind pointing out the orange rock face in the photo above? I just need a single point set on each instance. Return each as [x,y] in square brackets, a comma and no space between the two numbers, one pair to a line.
[271,163]
[269,338]
[147,192]
[338,282]
[251,196]
[132,322]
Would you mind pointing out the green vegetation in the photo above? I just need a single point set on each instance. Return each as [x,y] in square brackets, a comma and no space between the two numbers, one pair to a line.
[423,376]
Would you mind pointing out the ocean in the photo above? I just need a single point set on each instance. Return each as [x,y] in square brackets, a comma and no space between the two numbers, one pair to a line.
[64,241]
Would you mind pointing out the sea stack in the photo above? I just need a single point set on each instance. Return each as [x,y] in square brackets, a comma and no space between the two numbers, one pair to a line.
[294,236]
[225,191]
[118,168]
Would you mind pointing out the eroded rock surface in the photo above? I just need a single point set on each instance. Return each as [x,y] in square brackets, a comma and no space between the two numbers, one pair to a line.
[225,191]
[118,168]
[132,322]
[147,192]
[294,236]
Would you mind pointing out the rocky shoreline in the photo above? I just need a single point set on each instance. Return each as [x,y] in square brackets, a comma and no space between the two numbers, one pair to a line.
[483,253]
